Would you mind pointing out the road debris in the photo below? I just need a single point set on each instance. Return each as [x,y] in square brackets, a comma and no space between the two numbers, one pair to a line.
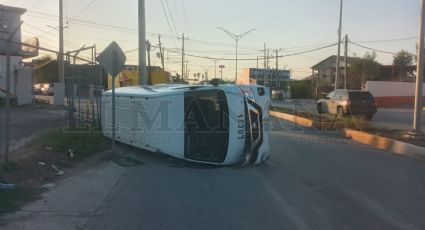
[71,153]
[58,172]
[48,186]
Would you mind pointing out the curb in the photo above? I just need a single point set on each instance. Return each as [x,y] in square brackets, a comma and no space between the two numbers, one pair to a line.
[294,119]
[377,142]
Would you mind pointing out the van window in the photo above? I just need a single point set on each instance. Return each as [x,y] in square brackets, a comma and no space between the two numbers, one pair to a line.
[206,124]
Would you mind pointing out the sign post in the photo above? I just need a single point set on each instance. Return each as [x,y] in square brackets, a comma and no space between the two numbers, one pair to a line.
[112,60]
[221,71]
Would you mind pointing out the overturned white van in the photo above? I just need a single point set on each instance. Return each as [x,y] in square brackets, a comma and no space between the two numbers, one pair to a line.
[222,125]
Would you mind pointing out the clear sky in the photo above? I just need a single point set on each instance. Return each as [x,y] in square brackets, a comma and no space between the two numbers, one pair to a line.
[289,26]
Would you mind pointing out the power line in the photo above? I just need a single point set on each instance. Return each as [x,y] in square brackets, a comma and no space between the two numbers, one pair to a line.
[168,22]
[84,9]
[372,49]
[41,30]
[389,40]
[251,59]
[131,30]
[171,16]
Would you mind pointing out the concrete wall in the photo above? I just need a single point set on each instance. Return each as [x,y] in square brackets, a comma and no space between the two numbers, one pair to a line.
[14,64]
[393,94]
[24,87]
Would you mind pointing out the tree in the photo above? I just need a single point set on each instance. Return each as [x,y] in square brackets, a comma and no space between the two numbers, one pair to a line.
[363,69]
[42,60]
[401,61]
[403,58]
[302,89]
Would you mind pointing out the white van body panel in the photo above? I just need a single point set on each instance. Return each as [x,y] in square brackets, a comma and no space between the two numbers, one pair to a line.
[152,118]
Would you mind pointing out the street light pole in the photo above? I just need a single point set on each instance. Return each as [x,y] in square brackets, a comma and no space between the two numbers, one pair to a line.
[338,58]
[237,38]
[417,121]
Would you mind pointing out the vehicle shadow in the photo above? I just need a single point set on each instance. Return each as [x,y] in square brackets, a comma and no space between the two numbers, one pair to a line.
[131,153]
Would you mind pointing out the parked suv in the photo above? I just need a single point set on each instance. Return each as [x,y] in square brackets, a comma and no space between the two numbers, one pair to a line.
[348,102]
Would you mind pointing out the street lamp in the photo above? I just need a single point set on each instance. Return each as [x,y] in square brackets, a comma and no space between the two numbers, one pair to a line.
[236,38]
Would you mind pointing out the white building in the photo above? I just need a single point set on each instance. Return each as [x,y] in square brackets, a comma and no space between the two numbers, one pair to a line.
[10,41]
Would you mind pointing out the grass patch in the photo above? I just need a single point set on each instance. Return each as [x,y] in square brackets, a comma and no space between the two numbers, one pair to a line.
[9,167]
[51,148]
[11,201]
[84,142]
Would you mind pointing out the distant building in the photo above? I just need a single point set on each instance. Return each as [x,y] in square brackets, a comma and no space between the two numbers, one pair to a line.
[10,28]
[268,77]
[324,72]
[11,42]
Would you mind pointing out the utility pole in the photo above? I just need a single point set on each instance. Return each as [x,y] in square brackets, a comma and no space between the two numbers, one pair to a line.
[346,61]
[61,46]
[161,52]
[338,57]
[187,70]
[221,73]
[142,44]
[6,133]
[269,77]
[257,61]
[215,68]
[183,38]
[417,121]
[265,65]
[149,67]
[277,67]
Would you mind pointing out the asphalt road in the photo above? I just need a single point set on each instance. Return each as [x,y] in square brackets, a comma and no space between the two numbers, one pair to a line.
[392,118]
[312,181]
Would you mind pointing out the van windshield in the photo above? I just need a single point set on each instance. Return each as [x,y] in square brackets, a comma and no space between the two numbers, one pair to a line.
[206,126]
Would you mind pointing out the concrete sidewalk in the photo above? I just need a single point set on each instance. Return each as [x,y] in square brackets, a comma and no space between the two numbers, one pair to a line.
[70,204]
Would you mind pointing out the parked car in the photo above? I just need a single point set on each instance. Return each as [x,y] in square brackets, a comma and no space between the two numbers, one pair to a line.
[37,89]
[48,89]
[348,102]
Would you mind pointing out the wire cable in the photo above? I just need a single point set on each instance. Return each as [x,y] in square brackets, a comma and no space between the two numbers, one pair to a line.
[84,9]
[372,49]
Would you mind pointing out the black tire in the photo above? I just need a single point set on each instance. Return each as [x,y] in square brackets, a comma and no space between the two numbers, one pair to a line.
[340,112]
[319,108]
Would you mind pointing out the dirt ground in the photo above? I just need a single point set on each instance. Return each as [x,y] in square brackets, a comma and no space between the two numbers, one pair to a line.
[26,122]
